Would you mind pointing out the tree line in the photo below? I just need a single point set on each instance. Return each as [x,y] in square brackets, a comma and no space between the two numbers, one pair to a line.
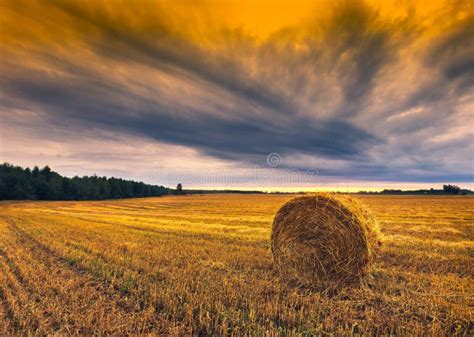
[44,184]
[446,190]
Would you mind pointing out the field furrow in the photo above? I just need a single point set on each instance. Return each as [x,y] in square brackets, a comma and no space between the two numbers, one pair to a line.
[21,303]
[69,297]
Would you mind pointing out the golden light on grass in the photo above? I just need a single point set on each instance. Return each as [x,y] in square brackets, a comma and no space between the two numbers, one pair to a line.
[324,241]
[181,266]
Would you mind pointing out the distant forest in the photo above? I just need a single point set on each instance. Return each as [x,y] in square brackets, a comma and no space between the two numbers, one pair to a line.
[17,183]
[446,190]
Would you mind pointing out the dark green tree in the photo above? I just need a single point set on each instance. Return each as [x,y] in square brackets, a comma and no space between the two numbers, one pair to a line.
[452,189]
[45,184]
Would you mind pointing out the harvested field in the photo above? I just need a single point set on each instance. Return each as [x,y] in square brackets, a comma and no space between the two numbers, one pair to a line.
[203,266]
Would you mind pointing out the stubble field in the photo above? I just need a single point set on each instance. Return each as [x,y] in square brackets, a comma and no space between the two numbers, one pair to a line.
[202,265]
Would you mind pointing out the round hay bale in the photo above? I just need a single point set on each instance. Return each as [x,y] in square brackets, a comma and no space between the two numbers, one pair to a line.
[324,241]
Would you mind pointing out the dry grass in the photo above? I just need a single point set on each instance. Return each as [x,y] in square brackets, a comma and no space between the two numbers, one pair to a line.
[324,241]
[202,265]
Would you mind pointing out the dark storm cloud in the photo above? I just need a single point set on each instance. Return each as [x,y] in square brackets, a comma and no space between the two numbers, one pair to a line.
[305,90]
[166,49]
[450,59]
[363,44]
[453,55]
[242,139]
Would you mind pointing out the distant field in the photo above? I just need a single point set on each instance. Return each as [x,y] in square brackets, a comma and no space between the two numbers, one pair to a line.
[202,265]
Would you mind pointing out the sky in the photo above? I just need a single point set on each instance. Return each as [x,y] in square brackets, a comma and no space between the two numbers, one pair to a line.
[272,95]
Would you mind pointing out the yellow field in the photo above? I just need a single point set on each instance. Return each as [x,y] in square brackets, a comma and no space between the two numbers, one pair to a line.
[202,265]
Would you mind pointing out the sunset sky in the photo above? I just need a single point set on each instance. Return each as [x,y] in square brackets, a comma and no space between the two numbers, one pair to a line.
[275,95]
